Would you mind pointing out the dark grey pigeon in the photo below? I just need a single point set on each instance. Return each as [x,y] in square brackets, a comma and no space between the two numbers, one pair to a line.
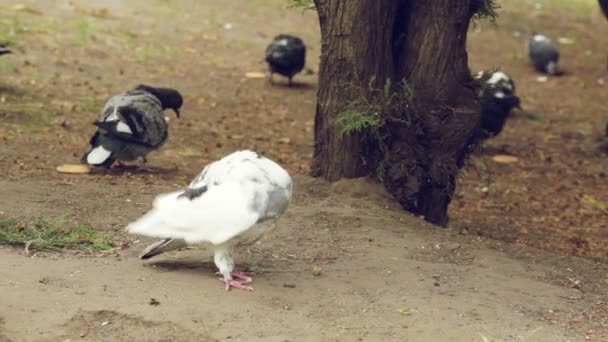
[604,7]
[543,54]
[132,125]
[4,50]
[497,99]
[286,55]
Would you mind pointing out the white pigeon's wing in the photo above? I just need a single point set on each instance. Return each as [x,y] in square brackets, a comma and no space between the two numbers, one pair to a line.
[215,216]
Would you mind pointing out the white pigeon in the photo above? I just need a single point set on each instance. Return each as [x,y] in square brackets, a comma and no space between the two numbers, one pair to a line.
[231,203]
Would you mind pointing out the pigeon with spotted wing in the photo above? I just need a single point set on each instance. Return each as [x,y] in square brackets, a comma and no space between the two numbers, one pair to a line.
[231,203]
[286,55]
[497,99]
[132,125]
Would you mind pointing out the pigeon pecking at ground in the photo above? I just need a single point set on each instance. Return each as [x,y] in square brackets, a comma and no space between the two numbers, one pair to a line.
[231,203]
[604,8]
[543,54]
[4,50]
[132,125]
[286,55]
[497,99]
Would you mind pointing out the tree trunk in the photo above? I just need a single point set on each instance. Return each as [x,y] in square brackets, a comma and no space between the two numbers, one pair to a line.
[417,149]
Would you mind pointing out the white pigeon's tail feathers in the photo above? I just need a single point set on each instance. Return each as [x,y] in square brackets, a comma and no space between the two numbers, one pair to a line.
[154,219]
[163,246]
[167,200]
[223,212]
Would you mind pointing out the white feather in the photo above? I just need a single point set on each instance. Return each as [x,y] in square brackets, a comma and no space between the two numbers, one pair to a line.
[113,116]
[540,38]
[499,94]
[123,128]
[497,77]
[98,155]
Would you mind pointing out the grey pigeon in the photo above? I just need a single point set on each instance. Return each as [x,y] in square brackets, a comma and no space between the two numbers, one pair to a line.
[497,99]
[604,7]
[286,55]
[4,50]
[132,125]
[231,203]
[543,54]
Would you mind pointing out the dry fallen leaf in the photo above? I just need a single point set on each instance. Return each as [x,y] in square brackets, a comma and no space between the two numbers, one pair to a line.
[591,203]
[25,8]
[255,74]
[405,312]
[97,12]
[74,168]
[504,159]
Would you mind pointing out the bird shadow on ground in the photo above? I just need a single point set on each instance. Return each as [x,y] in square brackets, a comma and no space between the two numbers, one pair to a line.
[184,264]
[134,169]
[207,266]
[294,85]
[5,89]
[494,150]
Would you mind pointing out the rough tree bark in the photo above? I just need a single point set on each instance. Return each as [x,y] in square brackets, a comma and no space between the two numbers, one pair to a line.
[424,43]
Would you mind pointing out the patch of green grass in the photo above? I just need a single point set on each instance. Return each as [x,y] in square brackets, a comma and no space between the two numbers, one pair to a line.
[36,117]
[354,120]
[553,8]
[83,31]
[91,105]
[6,63]
[303,4]
[13,27]
[148,50]
[373,106]
[369,112]
[583,5]
[43,235]
[10,28]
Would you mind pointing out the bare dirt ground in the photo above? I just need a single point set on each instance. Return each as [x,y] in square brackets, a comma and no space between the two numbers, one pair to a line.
[385,275]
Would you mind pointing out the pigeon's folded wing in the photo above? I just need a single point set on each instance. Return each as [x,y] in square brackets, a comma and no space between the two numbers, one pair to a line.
[216,216]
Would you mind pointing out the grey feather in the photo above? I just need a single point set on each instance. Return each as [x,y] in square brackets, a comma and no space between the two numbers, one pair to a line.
[543,54]
[163,246]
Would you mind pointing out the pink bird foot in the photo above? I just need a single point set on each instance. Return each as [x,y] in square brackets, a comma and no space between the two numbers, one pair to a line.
[239,284]
[244,276]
